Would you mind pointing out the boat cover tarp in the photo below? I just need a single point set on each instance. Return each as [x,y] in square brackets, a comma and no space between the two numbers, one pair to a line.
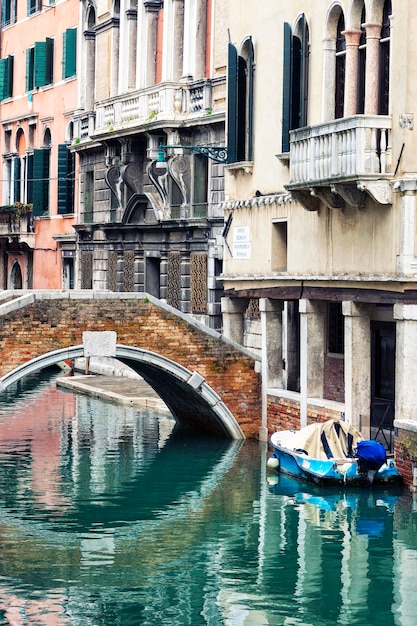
[332,439]
[372,452]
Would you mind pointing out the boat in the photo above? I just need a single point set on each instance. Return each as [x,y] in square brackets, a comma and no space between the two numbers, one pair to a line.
[332,453]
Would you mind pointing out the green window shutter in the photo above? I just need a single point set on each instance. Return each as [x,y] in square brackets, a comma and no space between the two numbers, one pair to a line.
[286,88]
[29,68]
[69,53]
[44,62]
[3,78]
[40,181]
[232,110]
[16,179]
[5,12]
[10,75]
[304,72]
[49,60]
[250,101]
[66,162]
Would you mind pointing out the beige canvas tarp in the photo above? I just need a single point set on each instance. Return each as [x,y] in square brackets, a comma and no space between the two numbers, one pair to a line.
[310,439]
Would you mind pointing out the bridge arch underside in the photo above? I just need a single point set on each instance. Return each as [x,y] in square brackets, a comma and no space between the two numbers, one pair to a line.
[192,402]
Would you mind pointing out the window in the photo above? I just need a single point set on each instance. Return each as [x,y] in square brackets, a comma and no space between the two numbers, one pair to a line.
[69,53]
[66,177]
[384,60]
[8,12]
[240,102]
[34,6]
[199,185]
[295,79]
[335,328]
[39,64]
[340,68]
[88,196]
[6,77]
[38,180]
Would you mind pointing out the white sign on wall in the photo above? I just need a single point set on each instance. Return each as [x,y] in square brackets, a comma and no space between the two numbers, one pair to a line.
[241,242]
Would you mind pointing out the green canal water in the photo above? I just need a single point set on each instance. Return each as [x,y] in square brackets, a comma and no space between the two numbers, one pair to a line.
[108,516]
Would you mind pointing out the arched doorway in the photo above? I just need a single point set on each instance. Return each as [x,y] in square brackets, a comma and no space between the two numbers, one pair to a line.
[16,280]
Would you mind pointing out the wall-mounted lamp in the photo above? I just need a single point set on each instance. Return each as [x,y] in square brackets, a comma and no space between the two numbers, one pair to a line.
[215,153]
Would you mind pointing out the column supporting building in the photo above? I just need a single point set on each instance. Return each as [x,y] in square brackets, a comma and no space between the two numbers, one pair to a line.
[357,366]
[312,324]
[272,358]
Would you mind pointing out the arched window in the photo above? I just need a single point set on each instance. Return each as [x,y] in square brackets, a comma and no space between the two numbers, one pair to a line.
[295,79]
[384,60]
[16,280]
[340,68]
[240,102]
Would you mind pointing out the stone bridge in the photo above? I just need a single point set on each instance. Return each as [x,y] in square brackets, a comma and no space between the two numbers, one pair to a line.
[208,382]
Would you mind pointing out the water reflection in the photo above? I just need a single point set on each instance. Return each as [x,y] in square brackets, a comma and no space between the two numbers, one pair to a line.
[109,516]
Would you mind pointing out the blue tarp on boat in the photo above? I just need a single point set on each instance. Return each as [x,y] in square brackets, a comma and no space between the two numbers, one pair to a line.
[372,453]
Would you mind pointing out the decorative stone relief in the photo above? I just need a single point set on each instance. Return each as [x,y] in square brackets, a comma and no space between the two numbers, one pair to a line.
[407,120]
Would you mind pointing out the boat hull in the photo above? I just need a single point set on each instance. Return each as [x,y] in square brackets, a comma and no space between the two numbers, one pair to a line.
[332,472]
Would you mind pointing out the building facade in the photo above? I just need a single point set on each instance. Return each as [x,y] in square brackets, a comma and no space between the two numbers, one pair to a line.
[321,252]
[149,136]
[38,96]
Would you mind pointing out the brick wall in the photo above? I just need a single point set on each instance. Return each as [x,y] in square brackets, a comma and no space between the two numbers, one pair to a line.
[284,414]
[405,453]
[49,325]
[334,378]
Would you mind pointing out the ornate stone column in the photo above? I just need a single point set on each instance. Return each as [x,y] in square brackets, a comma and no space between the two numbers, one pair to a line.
[152,8]
[352,38]
[357,366]
[90,39]
[132,20]
[329,79]
[373,34]
[178,34]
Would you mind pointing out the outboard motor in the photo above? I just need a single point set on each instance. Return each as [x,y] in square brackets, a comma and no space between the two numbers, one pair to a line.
[371,457]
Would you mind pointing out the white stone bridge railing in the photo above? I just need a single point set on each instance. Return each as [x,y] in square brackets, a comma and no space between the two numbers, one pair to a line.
[353,147]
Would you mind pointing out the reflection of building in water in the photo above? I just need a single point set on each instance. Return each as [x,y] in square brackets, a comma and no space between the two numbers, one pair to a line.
[338,551]
[127,436]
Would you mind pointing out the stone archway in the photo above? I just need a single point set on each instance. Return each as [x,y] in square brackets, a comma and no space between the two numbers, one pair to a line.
[192,402]
[16,278]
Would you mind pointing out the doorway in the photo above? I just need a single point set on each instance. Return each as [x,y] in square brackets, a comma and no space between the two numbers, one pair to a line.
[383,382]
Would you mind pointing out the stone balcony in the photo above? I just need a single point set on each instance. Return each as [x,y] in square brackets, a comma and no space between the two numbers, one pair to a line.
[16,223]
[170,103]
[339,162]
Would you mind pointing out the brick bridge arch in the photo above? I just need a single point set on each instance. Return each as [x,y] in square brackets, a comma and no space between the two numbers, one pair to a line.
[208,382]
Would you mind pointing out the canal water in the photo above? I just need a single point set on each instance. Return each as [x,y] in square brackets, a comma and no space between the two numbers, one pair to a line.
[108,516]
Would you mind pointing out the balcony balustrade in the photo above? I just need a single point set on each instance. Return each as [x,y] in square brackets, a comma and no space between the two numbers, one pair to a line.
[16,221]
[327,158]
[165,102]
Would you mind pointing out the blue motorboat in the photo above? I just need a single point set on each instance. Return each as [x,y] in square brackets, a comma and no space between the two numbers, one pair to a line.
[332,453]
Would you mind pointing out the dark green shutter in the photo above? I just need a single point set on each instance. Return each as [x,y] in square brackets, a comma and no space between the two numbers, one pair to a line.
[3,78]
[16,179]
[69,53]
[232,112]
[29,69]
[49,60]
[66,162]
[41,182]
[286,88]
[250,101]
[304,72]
[40,64]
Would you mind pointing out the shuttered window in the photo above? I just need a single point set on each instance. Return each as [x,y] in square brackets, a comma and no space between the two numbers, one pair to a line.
[69,53]
[295,80]
[240,103]
[34,6]
[8,12]
[6,77]
[38,181]
[39,64]
[16,180]
[66,164]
